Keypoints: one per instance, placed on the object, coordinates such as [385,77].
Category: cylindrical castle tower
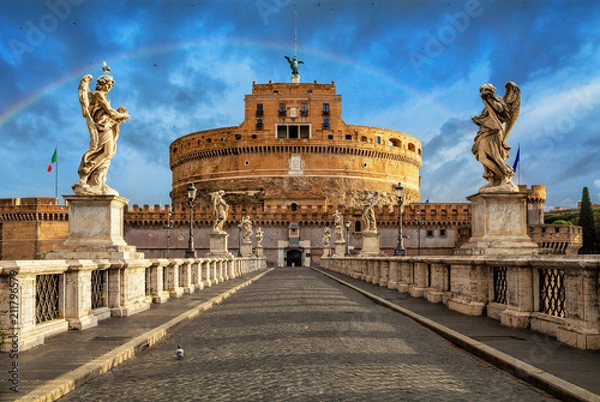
[294,148]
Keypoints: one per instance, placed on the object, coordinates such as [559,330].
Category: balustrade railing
[52,296]
[557,295]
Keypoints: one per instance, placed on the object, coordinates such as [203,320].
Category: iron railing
[47,297]
[552,292]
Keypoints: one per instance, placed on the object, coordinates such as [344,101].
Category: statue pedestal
[499,225]
[370,245]
[259,251]
[340,248]
[326,252]
[95,229]
[246,249]
[218,245]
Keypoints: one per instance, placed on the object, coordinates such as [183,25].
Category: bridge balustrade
[40,298]
[552,294]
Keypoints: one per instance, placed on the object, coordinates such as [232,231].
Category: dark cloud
[184,66]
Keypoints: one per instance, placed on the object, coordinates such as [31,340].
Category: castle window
[209,140]
[259,109]
[443,232]
[238,136]
[330,137]
[357,226]
[293,131]
[395,142]
[254,136]
[294,207]
[348,136]
[304,110]
[378,139]
[325,123]
[309,91]
[411,147]
[430,233]
[325,109]
[247,163]
[363,138]
[259,124]
[282,109]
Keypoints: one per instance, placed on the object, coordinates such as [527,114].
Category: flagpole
[519,167]
[56,178]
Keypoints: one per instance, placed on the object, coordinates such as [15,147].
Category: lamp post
[418,222]
[347,224]
[400,250]
[239,224]
[191,192]
[168,226]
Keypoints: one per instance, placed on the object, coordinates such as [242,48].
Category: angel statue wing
[512,99]
[85,97]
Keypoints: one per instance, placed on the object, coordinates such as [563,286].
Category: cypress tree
[586,221]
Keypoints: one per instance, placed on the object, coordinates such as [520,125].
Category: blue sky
[408,65]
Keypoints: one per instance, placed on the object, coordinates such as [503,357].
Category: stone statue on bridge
[103,125]
[259,236]
[220,208]
[338,220]
[326,237]
[368,202]
[246,229]
[495,123]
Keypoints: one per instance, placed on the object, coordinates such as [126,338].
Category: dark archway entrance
[294,257]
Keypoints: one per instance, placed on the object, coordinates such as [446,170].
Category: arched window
[395,142]
[294,207]
[411,147]
[357,226]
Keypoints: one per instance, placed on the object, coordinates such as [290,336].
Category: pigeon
[105,68]
[179,352]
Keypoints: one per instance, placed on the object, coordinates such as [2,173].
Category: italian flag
[53,160]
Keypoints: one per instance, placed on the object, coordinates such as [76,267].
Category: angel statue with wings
[294,65]
[220,208]
[495,123]
[103,125]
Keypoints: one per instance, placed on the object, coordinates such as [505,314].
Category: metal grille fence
[47,297]
[500,286]
[552,292]
[98,281]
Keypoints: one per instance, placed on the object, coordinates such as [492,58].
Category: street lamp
[347,224]
[191,193]
[400,242]
[239,224]
[168,226]
[419,222]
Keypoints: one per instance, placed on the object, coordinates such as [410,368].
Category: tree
[586,221]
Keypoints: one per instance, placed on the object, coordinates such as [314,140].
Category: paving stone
[295,335]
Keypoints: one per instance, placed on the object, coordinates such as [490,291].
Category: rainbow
[76,74]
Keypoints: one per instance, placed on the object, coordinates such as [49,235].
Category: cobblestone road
[296,335]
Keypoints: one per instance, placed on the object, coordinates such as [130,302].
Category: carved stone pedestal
[340,248]
[95,229]
[326,252]
[218,246]
[499,225]
[246,249]
[370,245]
[259,251]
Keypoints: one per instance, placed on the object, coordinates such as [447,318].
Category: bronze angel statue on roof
[294,65]
[495,124]
[103,125]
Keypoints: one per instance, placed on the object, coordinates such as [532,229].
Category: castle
[289,166]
